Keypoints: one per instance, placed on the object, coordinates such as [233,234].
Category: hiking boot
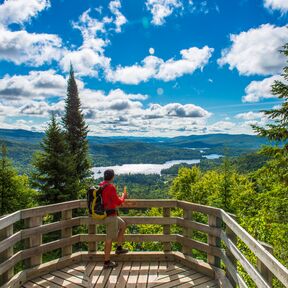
[121,250]
[110,264]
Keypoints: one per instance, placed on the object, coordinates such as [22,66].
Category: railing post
[265,272]
[33,241]
[92,229]
[5,233]
[166,230]
[215,222]
[187,232]
[233,237]
[66,232]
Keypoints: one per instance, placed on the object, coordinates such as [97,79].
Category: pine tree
[54,175]
[15,192]
[76,130]
[277,131]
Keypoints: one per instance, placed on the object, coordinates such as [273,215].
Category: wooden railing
[221,249]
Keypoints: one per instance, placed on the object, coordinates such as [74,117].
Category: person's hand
[125,195]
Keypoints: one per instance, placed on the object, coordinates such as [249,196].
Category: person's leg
[111,233]
[107,249]
[120,239]
[122,227]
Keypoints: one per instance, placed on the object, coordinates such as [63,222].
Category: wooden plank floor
[126,275]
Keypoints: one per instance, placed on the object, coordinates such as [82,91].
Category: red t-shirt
[110,198]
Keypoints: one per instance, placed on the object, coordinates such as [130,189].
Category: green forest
[253,185]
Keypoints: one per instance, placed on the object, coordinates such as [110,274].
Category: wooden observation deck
[23,250]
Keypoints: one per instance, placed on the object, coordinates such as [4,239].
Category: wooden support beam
[33,241]
[262,268]
[66,232]
[166,230]
[187,231]
[92,230]
[233,237]
[6,254]
[214,222]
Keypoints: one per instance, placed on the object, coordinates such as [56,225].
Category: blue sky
[145,67]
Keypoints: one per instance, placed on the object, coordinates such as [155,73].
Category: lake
[146,168]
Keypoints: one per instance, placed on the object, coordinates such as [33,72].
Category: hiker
[115,226]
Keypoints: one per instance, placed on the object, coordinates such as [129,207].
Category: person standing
[115,225]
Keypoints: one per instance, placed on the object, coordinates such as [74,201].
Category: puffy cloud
[175,110]
[256,51]
[20,46]
[86,61]
[30,48]
[111,104]
[192,59]
[136,73]
[281,5]
[37,84]
[258,90]
[154,67]
[161,9]
[249,115]
[120,19]
[222,127]
[32,94]
[20,11]
[89,57]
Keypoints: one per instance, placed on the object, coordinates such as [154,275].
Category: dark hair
[108,174]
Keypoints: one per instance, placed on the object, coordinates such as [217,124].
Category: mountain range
[106,151]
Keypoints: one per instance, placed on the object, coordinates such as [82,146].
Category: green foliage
[277,129]
[15,191]
[259,200]
[141,186]
[54,175]
[76,130]
[107,151]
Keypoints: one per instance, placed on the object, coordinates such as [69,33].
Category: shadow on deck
[127,274]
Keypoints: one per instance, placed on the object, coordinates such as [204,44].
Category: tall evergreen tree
[54,175]
[15,192]
[76,130]
[277,131]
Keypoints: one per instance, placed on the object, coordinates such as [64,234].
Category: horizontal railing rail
[221,231]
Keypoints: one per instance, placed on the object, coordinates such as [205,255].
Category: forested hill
[119,150]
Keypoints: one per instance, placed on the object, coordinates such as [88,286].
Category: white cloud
[249,115]
[20,46]
[30,94]
[136,73]
[222,127]
[114,112]
[192,59]
[256,51]
[258,90]
[281,5]
[154,67]
[30,48]
[21,11]
[116,99]
[160,9]
[175,110]
[35,85]
[120,19]
[86,61]
[89,57]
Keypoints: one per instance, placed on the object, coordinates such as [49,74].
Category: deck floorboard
[126,275]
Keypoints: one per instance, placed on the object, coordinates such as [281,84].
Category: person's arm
[115,198]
